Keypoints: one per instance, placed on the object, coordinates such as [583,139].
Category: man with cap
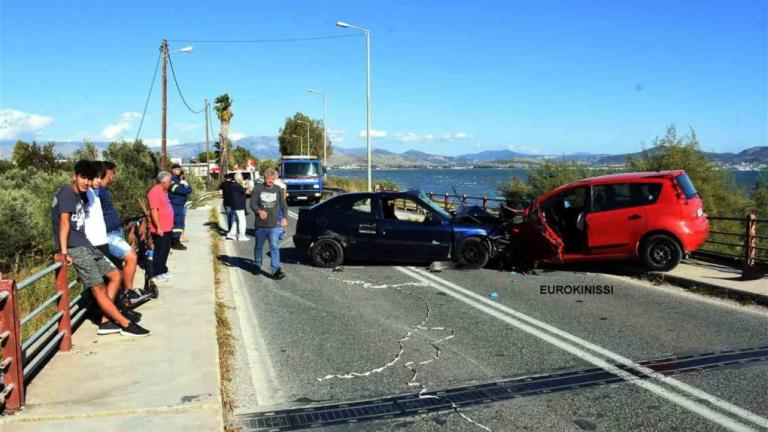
[178,193]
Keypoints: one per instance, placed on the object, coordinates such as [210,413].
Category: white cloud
[374,133]
[125,122]
[336,136]
[183,127]
[414,137]
[157,142]
[524,149]
[234,136]
[18,124]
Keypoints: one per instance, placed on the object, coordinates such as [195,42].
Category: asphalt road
[368,331]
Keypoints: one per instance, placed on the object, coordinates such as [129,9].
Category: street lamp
[302,121]
[367,88]
[325,130]
[301,142]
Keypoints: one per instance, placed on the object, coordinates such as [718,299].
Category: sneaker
[108,327]
[178,246]
[134,329]
[231,237]
[160,278]
[169,275]
[243,238]
[132,315]
[279,274]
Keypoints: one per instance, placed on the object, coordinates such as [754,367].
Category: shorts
[90,264]
[118,247]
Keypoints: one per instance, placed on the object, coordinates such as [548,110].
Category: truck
[303,177]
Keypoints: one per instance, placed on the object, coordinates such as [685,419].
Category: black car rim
[661,253]
[327,252]
[473,253]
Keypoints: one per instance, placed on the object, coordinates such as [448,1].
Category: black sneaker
[108,327]
[134,329]
[279,274]
[132,315]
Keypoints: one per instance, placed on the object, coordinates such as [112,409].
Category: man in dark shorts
[68,212]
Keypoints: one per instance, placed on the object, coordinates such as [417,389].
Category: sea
[476,181]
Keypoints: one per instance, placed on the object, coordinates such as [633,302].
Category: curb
[713,289]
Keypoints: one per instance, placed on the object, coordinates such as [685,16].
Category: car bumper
[696,233]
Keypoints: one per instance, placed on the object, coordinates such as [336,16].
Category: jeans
[230,216]
[273,235]
[237,228]
[161,252]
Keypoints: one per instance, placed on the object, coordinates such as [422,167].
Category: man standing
[68,220]
[237,204]
[266,199]
[178,192]
[226,196]
[162,225]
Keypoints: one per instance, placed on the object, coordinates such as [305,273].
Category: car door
[545,243]
[410,231]
[616,220]
[357,224]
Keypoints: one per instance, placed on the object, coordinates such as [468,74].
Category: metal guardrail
[23,358]
[738,247]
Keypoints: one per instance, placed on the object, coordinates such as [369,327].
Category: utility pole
[164,157]
[207,151]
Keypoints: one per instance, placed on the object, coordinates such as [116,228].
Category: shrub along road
[323,337]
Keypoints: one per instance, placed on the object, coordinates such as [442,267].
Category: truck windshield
[300,169]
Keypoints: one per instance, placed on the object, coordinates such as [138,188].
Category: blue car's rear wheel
[472,253]
[327,253]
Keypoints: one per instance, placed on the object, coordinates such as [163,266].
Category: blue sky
[448,77]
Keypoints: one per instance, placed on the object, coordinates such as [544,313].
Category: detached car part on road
[653,217]
[394,226]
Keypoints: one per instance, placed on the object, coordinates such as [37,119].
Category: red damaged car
[654,217]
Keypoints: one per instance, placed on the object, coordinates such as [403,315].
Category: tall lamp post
[307,124]
[164,147]
[301,142]
[325,130]
[367,88]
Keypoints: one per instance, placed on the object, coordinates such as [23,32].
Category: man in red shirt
[162,225]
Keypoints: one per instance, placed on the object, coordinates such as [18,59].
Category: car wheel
[661,253]
[472,253]
[327,253]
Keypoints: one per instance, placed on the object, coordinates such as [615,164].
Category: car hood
[476,216]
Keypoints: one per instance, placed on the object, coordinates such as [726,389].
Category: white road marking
[535,328]
[293,214]
[262,373]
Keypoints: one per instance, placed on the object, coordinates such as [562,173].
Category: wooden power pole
[164,157]
[207,151]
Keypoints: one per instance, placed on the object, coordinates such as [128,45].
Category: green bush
[24,231]
[357,185]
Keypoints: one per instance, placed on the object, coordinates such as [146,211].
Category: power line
[266,40]
[146,104]
[179,88]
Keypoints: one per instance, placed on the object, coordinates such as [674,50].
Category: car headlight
[316,186]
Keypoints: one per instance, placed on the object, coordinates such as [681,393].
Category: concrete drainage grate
[412,404]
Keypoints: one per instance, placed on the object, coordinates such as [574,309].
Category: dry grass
[356,185]
[224,336]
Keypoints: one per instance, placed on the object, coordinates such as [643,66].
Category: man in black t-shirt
[68,211]
[237,204]
[226,196]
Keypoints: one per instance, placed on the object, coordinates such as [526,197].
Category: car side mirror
[431,219]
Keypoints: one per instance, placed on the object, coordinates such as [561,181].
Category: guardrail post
[485,201]
[445,201]
[62,286]
[750,247]
[13,393]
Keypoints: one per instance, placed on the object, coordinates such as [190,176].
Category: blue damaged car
[394,226]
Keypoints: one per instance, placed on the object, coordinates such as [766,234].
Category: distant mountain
[267,147]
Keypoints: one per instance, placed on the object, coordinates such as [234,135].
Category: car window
[404,209]
[624,195]
[361,207]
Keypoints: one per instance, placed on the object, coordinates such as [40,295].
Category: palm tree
[224,113]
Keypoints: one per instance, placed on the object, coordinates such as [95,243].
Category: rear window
[687,186]
[624,195]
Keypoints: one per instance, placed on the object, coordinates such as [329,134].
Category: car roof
[388,193]
[613,178]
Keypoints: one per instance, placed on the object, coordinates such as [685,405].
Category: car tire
[660,252]
[472,253]
[327,253]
